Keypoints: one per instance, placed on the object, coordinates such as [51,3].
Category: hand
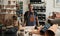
[40,27]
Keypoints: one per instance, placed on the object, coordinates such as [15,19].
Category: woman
[12,31]
[15,22]
[49,32]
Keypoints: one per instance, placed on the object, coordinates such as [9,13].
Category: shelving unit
[8,9]
[36,1]
[39,6]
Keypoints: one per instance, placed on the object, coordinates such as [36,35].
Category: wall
[25,7]
[50,7]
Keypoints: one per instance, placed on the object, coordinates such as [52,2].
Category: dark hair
[42,33]
[49,21]
[14,18]
[29,5]
[50,33]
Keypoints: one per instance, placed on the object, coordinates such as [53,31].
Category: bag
[11,30]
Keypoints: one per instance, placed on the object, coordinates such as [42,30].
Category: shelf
[36,2]
[38,9]
[41,13]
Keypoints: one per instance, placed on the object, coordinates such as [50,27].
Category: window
[57,3]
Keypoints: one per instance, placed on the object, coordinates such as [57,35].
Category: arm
[51,31]
[20,27]
[37,21]
[25,18]
[37,31]
[53,27]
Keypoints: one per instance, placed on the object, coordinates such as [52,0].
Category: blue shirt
[30,18]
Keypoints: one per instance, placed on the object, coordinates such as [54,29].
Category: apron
[31,20]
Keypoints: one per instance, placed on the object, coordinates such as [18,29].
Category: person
[30,17]
[13,28]
[18,10]
[49,32]
[19,13]
[16,22]
[54,15]
[52,30]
